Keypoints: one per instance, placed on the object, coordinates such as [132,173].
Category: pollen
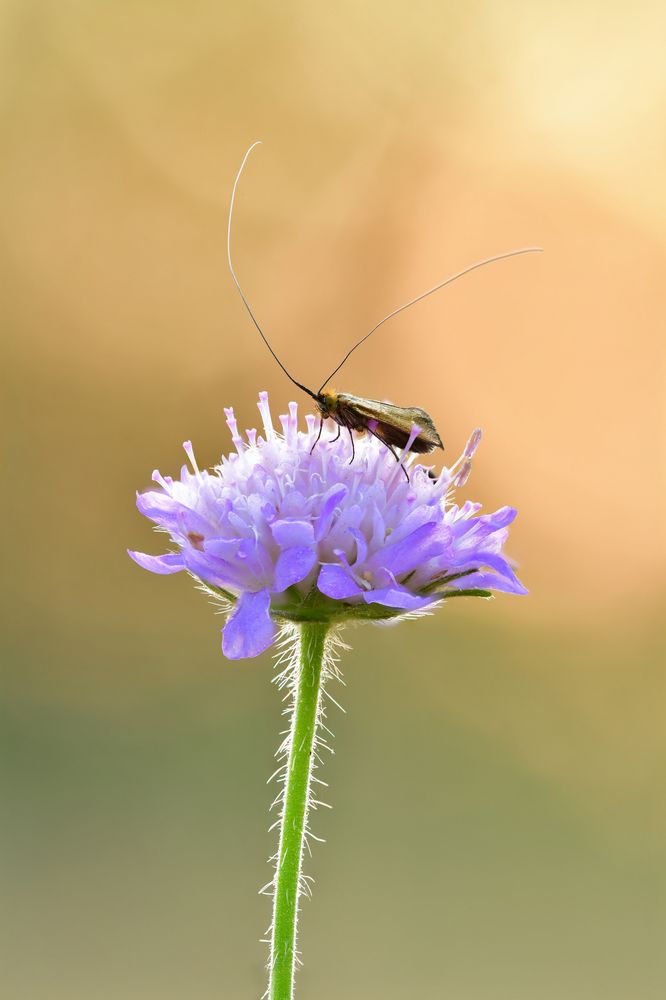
[196,539]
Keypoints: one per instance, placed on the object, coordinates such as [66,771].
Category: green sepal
[317,608]
[442,581]
[217,591]
[472,592]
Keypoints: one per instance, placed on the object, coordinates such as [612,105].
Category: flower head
[285,531]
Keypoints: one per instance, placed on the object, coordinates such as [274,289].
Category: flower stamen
[189,451]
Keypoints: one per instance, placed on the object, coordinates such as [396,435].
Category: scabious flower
[294,538]
[290,532]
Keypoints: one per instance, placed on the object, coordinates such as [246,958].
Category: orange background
[498,787]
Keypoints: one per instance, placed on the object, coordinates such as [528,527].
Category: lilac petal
[239,524]
[222,548]
[327,512]
[290,533]
[164,510]
[501,567]
[501,518]
[292,566]
[171,514]
[465,513]
[172,562]
[189,521]
[489,581]
[361,545]
[250,629]
[478,528]
[335,581]
[397,597]
[157,506]
[216,571]
[409,552]
[378,532]
[413,520]
[293,505]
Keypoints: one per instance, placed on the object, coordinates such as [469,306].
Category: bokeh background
[498,787]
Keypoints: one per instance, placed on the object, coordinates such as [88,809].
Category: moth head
[327,403]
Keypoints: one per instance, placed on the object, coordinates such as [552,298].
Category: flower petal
[335,582]
[222,548]
[292,566]
[474,530]
[172,562]
[489,581]
[216,571]
[361,545]
[290,533]
[250,629]
[405,555]
[397,597]
[330,501]
[157,505]
[502,568]
[501,518]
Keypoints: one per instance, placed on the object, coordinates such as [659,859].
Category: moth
[392,425]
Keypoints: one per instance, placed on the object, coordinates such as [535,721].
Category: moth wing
[394,423]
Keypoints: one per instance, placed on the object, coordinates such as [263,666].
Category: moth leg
[321,427]
[392,450]
[351,438]
[333,440]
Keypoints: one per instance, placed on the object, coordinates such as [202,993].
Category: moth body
[385,421]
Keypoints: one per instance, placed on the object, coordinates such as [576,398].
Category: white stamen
[293,423]
[232,424]
[265,411]
[462,475]
[157,477]
[473,443]
[189,451]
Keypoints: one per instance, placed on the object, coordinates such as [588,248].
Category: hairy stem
[307,687]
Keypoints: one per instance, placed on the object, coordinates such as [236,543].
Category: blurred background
[498,786]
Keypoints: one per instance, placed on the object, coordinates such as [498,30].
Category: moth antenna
[237,282]
[424,295]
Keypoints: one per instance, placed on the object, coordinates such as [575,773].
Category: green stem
[307,696]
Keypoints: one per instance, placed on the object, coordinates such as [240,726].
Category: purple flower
[287,534]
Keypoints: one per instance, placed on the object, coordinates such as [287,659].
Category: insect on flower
[391,424]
